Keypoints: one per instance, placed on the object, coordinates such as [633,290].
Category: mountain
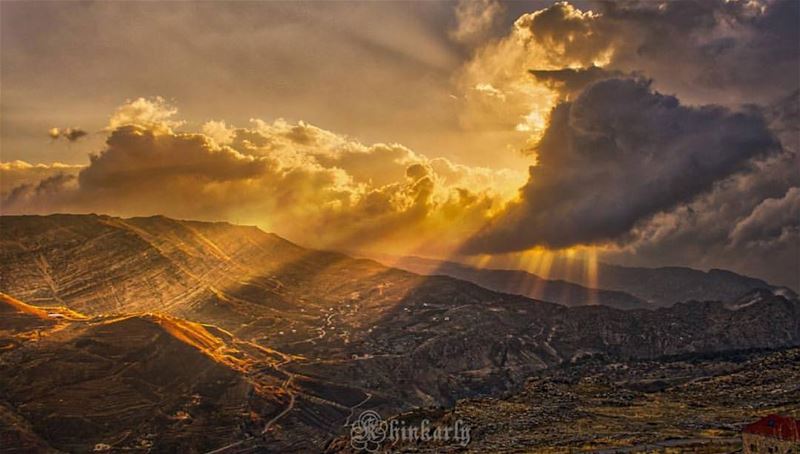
[150,307]
[616,286]
[486,343]
[520,283]
[667,285]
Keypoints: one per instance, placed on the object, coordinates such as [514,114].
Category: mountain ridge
[625,287]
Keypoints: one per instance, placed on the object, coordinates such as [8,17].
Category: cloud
[700,233]
[618,155]
[137,157]
[725,52]
[219,131]
[705,52]
[569,82]
[304,182]
[565,35]
[771,220]
[587,188]
[71,134]
[475,20]
[19,173]
[152,113]
[515,101]
[40,195]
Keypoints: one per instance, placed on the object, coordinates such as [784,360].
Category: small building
[773,434]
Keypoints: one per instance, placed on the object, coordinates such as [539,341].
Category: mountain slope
[99,264]
[17,316]
[125,382]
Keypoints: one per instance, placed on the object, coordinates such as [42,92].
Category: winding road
[288,408]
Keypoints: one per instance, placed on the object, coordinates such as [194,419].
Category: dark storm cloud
[41,193]
[770,220]
[616,156]
[710,231]
[571,81]
[714,51]
[701,234]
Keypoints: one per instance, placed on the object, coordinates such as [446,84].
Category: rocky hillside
[692,403]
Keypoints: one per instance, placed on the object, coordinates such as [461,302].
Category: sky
[643,133]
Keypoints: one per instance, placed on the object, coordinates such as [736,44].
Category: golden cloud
[301,181]
[475,19]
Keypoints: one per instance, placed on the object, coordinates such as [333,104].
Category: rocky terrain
[284,345]
[691,403]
